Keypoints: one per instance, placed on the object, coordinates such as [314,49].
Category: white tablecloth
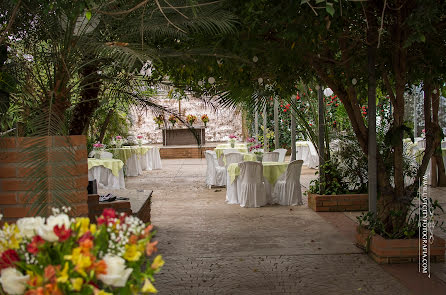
[105,177]
[306,152]
[136,163]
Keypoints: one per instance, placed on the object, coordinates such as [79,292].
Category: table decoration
[63,255]
[119,141]
[205,119]
[98,148]
[159,120]
[232,139]
[139,140]
[257,150]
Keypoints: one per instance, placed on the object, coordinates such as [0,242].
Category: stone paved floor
[211,247]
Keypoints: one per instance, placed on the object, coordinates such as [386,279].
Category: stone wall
[222,121]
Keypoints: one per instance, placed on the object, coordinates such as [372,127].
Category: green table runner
[124,153]
[271,171]
[112,164]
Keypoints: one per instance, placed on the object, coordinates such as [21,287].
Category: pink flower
[139,136]
[232,136]
[118,137]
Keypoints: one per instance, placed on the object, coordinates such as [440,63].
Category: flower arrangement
[205,119]
[119,141]
[159,120]
[257,150]
[232,139]
[139,138]
[63,255]
[191,119]
[98,148]
[173,120]
[423,133]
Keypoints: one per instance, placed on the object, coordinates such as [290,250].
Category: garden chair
[288,191]
[250,186]
[215,175]
[271,157]
[282,154]
[231,188]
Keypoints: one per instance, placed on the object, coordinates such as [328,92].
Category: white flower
[13,281]
[117,274]
[47,231]
[29,225]
[211,80]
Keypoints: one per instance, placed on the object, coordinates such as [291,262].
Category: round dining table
[137,158]
[241,147]
[108,173]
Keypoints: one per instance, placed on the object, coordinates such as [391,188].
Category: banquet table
[108,173]
[137,158]
[306,152]
[241,147]
[272,171]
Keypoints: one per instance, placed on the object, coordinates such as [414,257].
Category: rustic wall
[222,122]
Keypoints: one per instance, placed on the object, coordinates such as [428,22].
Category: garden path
[211,247]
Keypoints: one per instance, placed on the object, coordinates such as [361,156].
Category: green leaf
[319,1]
[422,38]
[329,8]
[304,1]
[88,15]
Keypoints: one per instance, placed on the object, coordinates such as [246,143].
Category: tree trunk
[105,124]
[83,111]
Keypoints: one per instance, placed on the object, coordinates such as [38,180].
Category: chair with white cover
[104,154]
[215,175]
[288,191]
[271,157]
[250,187]
[282,154]
[231,188]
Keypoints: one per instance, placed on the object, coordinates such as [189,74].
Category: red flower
[337,104]
[8,258]
[33,247]
[310,124]
[284,110]
[106,216]
[62,233]
[86,236]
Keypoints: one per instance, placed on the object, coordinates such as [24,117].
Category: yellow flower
[82,223]
[77,283]
[80,260]
[157,262]
[93,228]
[148,287]
[101,292]
[63,278]
[10,237]
[132,252]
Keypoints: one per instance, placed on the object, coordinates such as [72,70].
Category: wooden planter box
[184,136]
[385,251]
[17,185]
[334,203]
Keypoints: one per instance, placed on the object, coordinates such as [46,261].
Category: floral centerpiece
[139,138]
[205,119]
[232,139]
[257,150]
[119,141]
[63,255]
[159,120]
[250,142]
[98,149]
[191,119]
[173,120]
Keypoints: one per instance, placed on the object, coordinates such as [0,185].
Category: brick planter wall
[16,185]
[330,203]
[184,152]
[385,251]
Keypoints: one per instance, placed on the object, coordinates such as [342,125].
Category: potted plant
[63,255]
[159,120]
[232,139]
[257,150]
[205,119]
[191,119]
[98,149]
[173,120]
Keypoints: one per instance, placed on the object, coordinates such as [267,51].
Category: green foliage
[333,181]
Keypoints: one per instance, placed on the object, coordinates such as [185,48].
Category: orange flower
[151,248]
[100,267]
[133,239]
[50,273]
[147,230]
[86,245]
